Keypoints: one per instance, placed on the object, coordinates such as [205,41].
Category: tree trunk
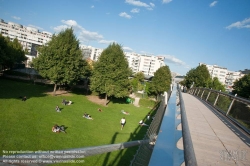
[106,97]
[54,92]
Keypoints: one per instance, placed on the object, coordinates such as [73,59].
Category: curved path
[216,140]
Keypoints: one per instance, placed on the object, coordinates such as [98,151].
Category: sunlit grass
[27,125]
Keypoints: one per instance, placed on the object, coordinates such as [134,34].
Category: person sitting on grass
[55,129]
[58,109]
[24,98]
[64,102]
[142,123]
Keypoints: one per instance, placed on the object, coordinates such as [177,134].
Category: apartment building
[148,64]
[231,77]
[225,76]
[29,37]
[90,52]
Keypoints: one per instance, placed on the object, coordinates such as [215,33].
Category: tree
[161,81]
[111,72]
[137,81]
[199,76]
[61,59]
[10,52]
[242,86]
[216,84]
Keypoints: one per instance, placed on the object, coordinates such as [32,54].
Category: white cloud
[92,6]
[173,60]
[37,27]
[106,41]
[128,49]
[124,14]
[240,24]
[151,4]
[137,3]
[166,1]
[70,22]
[16,18]
[213,3]
[60,28]
[83,34]
[135,10]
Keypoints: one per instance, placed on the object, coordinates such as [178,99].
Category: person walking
[123,121]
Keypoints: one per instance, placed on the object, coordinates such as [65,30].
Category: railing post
[195,91]
[198,93]
[208,95]
[216,99]
[202,93]
[229,108]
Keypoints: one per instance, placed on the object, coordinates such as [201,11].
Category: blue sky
[186,32]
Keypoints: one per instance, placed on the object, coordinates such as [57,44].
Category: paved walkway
[213,140]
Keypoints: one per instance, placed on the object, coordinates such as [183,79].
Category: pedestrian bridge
[216,136]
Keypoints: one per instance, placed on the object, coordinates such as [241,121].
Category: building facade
[29,37]
[147,64]
[226,77]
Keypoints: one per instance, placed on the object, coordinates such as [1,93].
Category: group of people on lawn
[57,128]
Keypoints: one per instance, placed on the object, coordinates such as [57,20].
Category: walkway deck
[213,140]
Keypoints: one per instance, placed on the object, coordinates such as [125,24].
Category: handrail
[75,153]
[189,155]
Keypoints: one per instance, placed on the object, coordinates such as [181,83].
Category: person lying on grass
[124,112]
[87,116]
[55,129]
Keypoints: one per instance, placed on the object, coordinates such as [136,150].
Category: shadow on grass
[14,88]
[138,134]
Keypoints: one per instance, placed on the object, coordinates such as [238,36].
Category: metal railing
[61,156]
[143,154]
[235,108]
[189,155]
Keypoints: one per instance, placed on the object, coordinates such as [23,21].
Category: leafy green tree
[216,84]
[61,59]
[161,81]
[199,76]
[111,72]
[11,52]
[137,81]
[242,86]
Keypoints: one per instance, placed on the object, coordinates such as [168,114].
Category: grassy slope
[27,125]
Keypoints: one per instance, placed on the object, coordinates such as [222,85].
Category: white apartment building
[148,64]
[231,77]
[133,61]
[90,52]
[225,76]
[29,37]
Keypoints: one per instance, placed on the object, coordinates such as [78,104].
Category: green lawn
[27,125]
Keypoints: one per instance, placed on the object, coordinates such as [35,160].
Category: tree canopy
[199,76]
[137,81]
[161,81]
[242,86]
[110,73]
[11,52]
[61,60]
[216,84]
